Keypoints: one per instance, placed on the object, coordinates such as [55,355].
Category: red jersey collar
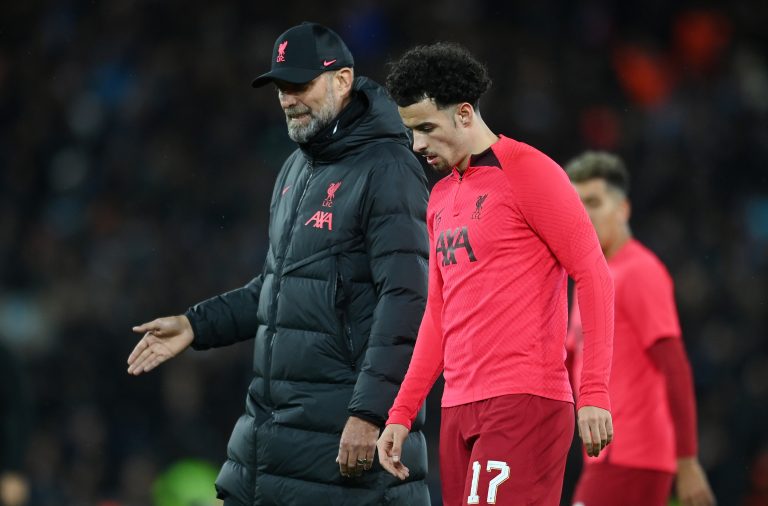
[486,158]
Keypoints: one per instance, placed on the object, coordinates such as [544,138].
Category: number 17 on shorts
[508,451]
[497,466]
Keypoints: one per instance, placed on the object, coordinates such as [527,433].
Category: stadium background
[136,165]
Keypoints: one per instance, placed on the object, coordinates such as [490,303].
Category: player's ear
[626,210]
[465,114]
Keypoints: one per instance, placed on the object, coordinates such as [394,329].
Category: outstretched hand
[164,338]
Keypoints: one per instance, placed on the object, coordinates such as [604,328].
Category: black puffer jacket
[334,313]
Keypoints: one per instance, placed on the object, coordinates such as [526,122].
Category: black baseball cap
[304,52]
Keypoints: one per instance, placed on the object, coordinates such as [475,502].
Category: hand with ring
[357,447]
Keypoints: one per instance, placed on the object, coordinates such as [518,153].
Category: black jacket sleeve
[396,239]
[226,319]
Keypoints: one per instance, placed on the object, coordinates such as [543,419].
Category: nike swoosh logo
[327,63]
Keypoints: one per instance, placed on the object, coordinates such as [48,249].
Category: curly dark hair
[445,72]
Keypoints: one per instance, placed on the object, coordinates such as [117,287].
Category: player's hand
[357,447]
[691,484]
[390,448]
[595,429]
[164,338]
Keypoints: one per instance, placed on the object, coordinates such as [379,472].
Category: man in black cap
[336,309]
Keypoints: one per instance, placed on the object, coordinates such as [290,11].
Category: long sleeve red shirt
[504,235]
[654,406]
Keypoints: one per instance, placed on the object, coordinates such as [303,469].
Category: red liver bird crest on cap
[281,51]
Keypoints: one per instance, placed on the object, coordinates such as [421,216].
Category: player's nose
[419,143]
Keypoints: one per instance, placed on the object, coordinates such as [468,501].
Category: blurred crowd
[136,165]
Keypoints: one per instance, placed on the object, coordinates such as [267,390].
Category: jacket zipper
[456,194]
[276,291]
[346,328]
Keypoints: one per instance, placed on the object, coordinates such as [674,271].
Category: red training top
[502,236]
[649,366]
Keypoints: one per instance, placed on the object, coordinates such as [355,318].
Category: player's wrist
[595,400]
[689,461]
[399,420]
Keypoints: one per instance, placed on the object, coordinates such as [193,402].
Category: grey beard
[303,133]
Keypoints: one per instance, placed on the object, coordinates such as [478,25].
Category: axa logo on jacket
[449,241]
[320,219]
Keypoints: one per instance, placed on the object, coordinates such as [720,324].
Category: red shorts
[507,450]
[604,484]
